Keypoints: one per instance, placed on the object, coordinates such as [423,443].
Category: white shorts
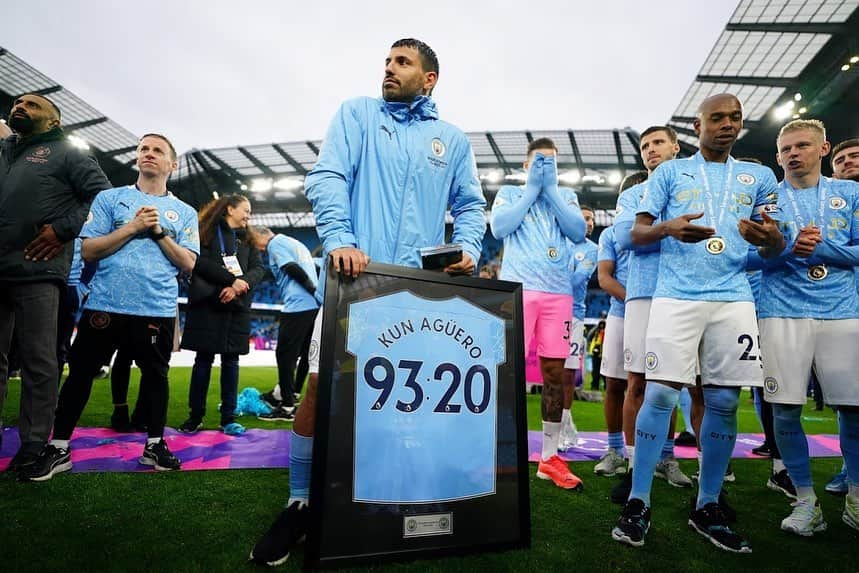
[721,336]
[636,317]
[577,345]
[612,348]
[793,346]
[315,344]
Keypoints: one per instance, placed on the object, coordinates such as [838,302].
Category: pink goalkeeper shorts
[547,321]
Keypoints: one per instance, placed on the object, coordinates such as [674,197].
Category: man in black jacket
[46,187]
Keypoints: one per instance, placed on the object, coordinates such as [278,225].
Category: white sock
[551,433]
[853,490]
[630,453]
[566,419]
[302,501]
[805,492]
[778,465]
[62,444]
[275,392]
[151,441]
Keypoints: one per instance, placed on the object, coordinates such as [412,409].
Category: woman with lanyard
[218,318]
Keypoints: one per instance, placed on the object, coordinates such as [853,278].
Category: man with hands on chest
[142,236]
[809,316]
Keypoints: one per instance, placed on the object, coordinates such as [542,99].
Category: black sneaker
[279,414]
[686,439]
[51,460]
[633,524]
[620,492]
[191,426]
[287,531]
[160,457]
[780,481]
[763,450]
[729,512]
[270,400]
[710,522]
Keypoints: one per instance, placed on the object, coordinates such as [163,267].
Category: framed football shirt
[420,447]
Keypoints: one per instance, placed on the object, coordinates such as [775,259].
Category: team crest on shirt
[650,360]
[39,155]
[837,203]
[770,385]
[99,320]
[171,215]
[580,256]
[552,253]
[746,179]
[438,147]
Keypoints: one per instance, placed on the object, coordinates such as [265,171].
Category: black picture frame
[345,532]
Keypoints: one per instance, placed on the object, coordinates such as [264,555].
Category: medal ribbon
[709,194]
[799,215]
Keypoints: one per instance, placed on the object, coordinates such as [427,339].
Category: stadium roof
[784,59]
[593,161]
[114,146]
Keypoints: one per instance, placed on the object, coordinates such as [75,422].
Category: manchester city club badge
[715,245]
[818,272]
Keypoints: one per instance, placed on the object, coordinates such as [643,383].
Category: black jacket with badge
[211,326]
[43,179]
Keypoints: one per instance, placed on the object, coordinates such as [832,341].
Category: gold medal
[715,245]
[818,272]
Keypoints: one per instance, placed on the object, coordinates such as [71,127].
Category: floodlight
[261,185]
[78,142]
[569,177]
[289,183]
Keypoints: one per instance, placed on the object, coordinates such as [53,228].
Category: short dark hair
[541,143]
[852,142]
[429,61]
[164,138]
[47,99]
[632,179]
[672,135]
[586,207]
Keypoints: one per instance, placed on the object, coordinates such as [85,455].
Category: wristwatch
[157,236]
